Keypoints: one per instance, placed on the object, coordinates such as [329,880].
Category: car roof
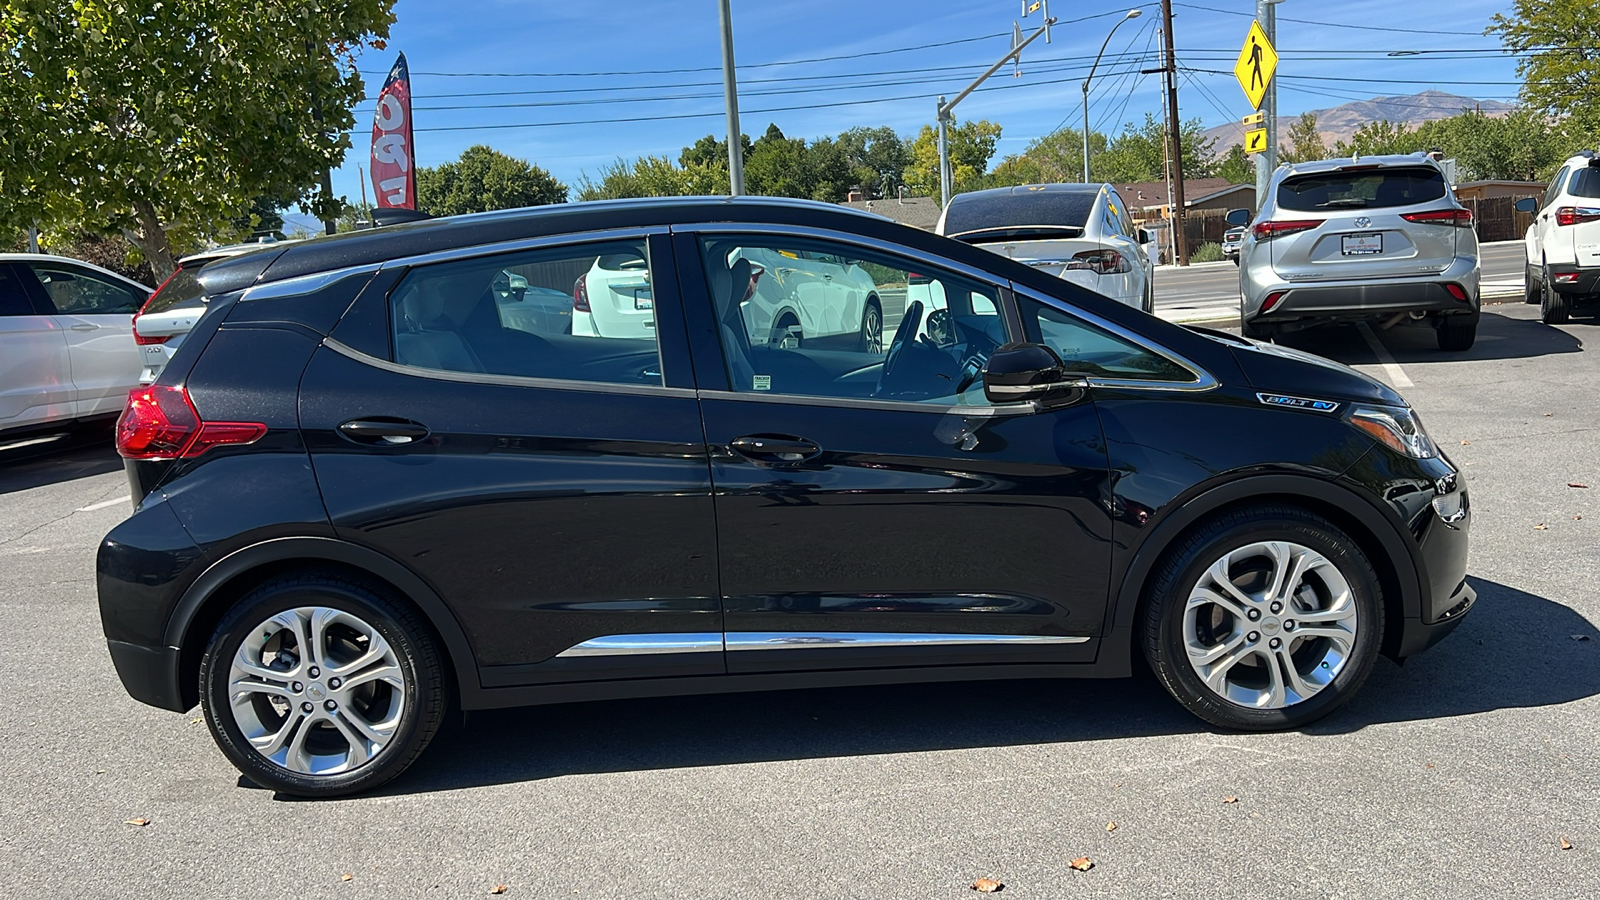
[1023,190]
[1363,162]
[216,253]
[50,257]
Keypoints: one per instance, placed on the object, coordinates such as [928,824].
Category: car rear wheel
[1554,306]
[1457,333]
[872,327]
[1264,618]
[319,686]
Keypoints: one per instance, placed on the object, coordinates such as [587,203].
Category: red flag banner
[394,178]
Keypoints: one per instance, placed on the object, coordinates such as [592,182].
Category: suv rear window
[1017,212]
[1362,188]
[182,289]
[1585,183]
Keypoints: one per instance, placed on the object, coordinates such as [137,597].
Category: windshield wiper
[1343,202]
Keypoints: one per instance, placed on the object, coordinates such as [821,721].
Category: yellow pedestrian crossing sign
[1255,140]
[1257,62]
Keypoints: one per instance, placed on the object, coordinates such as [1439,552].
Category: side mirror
[1142,235]
[1239,217]
[1526,204]
[1022,372]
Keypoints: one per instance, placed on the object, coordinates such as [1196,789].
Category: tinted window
[1094,351]
[182,289]
[13,296]
[1555,186]
[1585,183]
[986,212]
[1362,189]
[582,313]
[76,291]
[829,320]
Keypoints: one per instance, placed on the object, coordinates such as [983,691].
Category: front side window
[1554,189]
[1090,350]
[820,319]
[75,291]
[1362,189]
[579,313]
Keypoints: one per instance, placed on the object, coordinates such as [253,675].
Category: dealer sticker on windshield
[1362,244]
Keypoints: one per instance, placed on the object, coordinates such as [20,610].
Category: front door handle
[383,431]
[774,448]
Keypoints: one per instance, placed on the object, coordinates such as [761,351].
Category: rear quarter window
[1362,189]
[182,289]
[1585,183]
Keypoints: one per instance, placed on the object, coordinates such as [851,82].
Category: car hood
[1270,367]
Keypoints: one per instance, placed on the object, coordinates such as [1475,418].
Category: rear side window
[13,296]
[1001,212]
[182,289]
[1362,189]
[75,291]
[1585,183]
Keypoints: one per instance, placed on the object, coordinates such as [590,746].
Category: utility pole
[1180,245]
[946,110]
[730,94]
[33,239]
[1267,163]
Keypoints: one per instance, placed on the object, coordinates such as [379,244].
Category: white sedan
[66,342]
[1081,233]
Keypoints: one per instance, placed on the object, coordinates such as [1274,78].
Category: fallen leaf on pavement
[1082,864]
[1565,844]
[1576,518]
[987,886]
[1580,637]
[1230,799]
[346,877]
[1466,443]
[139,822]
[499,889]
[1541,527]
[1427,765]
[1546,414]
[1576,484]
[1111,826]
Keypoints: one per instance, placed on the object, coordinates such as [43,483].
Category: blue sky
[548,53]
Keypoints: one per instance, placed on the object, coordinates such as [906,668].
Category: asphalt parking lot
[1457,775]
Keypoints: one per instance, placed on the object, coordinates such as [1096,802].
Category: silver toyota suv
[1378,238]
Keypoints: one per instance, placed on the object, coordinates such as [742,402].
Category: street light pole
[1132,14]
[946,110]
[730,93]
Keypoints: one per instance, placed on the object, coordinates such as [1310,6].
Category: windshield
[1362,188]
[1031,211]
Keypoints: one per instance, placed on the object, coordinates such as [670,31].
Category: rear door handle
[774,448]
[383,431]
[85,326]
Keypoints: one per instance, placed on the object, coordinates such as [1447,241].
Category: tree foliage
[1559,63]
[654,176]
[971,146]
[1056,157]
[1139,153]
[1236,166]
[1522,146]
[484,179]
[1305,141]
[170,118]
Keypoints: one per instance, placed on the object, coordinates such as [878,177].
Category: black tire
[1187,562]
[423,705]
[1530,286]
[1554,306]
[871,340]
[1457,333]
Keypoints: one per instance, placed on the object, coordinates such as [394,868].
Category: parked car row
[1563,243]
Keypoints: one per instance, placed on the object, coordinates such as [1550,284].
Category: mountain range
[1339,123]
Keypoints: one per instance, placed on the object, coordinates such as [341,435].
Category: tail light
[916,278]
[1270,229]
[580,294]
[1576,215]
[1100,262]
[1272,300]
[160,422]
[1460,218]
[755,278]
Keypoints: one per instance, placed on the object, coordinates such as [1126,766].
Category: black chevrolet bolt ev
[767,445]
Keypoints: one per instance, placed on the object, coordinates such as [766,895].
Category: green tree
[1379,138]
[1237,166]
[484,179]
[1056,157]
[971,147]
[1139,153]
[709,151]
[653,176]
[1305,142]
[877,157]
[1559,66]
[168,119]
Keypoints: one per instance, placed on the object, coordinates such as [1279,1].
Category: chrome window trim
[1203,380]
[1009,409]
[646,644]
[530,243]
[555,384]
[305,284]
[796,640]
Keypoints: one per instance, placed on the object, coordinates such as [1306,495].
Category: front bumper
[1417,635]
[1585,279]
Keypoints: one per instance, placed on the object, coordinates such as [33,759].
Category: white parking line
[104,503]
[1397,375]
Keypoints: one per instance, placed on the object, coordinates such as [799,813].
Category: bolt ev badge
[1326,406]
[1363,222]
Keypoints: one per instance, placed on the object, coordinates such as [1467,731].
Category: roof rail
[388,216]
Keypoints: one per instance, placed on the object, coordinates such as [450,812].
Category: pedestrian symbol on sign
[1257,61]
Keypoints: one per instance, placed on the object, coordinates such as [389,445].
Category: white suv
[1563,243]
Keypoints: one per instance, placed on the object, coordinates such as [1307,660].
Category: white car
[794,298]
[1563,243]
[66,342]
[172,311]
[1081,233]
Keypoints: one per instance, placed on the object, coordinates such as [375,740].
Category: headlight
[1397,427]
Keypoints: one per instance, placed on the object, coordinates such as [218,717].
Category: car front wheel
[872,328]
[1264,618]
[318,685]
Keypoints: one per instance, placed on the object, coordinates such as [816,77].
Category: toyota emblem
[1363,222]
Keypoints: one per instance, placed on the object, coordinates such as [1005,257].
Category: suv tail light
[139,338]
[1576,215]
[1100,262]
[580,294]
[1461,218]
[1271,229]
[755,278]
[160,422]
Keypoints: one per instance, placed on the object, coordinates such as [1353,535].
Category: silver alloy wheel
[316,691]
[1270,624]
[872,329]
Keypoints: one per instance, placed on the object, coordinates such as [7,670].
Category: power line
[1230,12]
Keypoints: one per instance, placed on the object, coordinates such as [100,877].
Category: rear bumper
[1360,299]
[149,674]
[1584,279]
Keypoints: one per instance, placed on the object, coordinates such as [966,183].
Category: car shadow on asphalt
[79,455]
[1515,650]
[1499,337]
